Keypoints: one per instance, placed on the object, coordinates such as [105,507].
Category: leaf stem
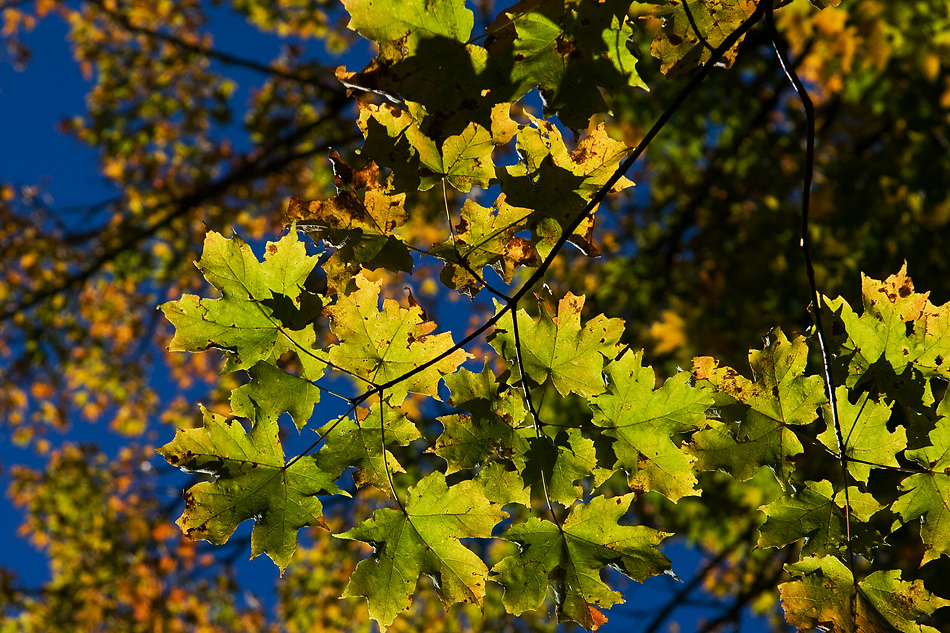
[534,412]
[382,441]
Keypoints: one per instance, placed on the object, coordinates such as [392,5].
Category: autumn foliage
[432,412]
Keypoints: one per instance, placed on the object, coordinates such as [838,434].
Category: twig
[805,244]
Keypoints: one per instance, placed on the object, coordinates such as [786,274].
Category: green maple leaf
[557,183]
[255,318]
[394,136]
[881,603]
[927,495]
[503,486]
[409,21]
[380,346]
[360,221]
[271,392]
[899,327]
[780,396]
[881,332]
[466,158]
[643,421]
[495,429]
[360,444]
[689,32]
[813,513]
[865,434]
[569,50]
[557,347]
[468,441]
[485,236]
[251,481]
[563,460]
[424,540]
[570,560]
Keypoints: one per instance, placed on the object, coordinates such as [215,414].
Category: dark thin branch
[805,244]
[598,197]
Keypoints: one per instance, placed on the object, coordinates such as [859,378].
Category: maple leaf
[570,51]
[424,540]
[881,603]
[570,560]
[271,392]
[691,29]
[360,444]
[557,183]
[254,318]
[643,421]
[503,486]
[563,461]
[466,158]
[485,236]
[866,437]
[495,428]
[394,136]
[927,495]
[251,481]
[557,347]
[410,21]
[813,513]
[899,326]
[382,346]
[361,227]
[780,396]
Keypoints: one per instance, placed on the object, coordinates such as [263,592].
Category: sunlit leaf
[557,347]
[378,346]
[569,560]
[251,481]
[251,320]
[424,540]
[645,421]
[825,594]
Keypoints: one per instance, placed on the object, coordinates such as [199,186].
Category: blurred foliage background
[701,258]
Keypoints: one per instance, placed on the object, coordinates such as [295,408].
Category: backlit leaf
[645,421]
[485,236]
[691,29]
[360,444]
[251,481]
[273,391]
[570,560]
[927,495]
[248,322]
[360,221]
[557,347]
[780,396]
[424,540]
[866,436]
[812,513]
[379,346]
[825,594]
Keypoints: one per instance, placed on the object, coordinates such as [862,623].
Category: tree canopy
[345,307]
